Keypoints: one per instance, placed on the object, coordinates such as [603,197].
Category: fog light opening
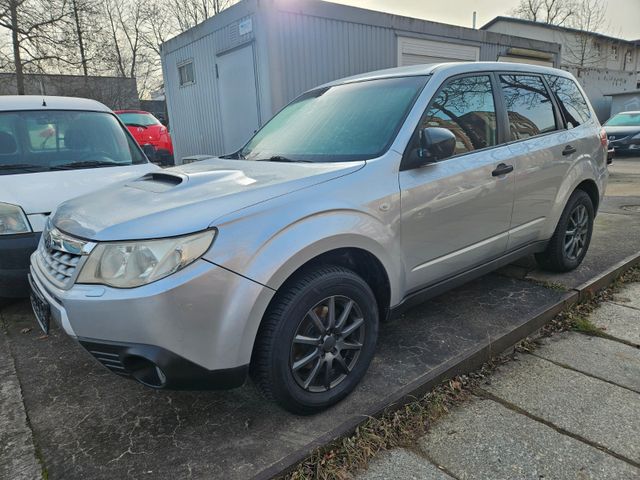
[146,372]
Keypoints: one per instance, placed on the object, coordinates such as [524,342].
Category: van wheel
[316,340]
[570,241]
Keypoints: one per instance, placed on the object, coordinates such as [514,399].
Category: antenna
[44,103]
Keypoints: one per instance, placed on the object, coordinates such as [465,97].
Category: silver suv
[357,200]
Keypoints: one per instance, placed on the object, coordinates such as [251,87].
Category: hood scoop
[157,182]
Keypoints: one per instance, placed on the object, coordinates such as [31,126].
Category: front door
[456,212]
[238,97]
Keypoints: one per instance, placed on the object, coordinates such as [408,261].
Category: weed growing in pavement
[403,426]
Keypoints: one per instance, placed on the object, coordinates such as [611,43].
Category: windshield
[348,122]
[41,141]
[142,119]
[624,120]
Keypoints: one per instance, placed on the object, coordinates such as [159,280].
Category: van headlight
[13,220]
[136,263]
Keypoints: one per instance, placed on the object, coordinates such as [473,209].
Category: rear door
[456,212]
[542,150]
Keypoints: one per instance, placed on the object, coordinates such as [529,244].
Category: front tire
[570,241]
[317,339]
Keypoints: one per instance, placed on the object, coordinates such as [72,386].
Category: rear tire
[570,241]
[317,339]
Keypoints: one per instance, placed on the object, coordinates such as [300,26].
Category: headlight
[132,264]
[13,220]
[636,136]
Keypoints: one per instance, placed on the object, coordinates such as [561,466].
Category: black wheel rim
[327,344]
[575,237]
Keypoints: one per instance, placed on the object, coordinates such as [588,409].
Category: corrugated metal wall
[196,124]
[315,50]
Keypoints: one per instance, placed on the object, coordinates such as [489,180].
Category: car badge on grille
[612,137]
[56,240]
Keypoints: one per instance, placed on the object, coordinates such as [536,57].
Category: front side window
[529,106]
[465,106]
[185,73]
[39,141]
[348,122]
[572,104]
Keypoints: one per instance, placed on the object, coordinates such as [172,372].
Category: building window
[597,49]
[614,52]
[185,73]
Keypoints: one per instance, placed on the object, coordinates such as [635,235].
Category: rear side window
[529,106]
[574,107]
[465,106]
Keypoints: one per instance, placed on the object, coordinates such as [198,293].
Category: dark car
[623,132]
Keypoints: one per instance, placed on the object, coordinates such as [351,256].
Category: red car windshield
[141,119]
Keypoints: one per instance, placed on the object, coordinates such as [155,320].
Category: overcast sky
[624,15]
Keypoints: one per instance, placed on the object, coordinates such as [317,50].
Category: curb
[463,363]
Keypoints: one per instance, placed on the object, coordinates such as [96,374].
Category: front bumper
[157,367]
[197,325]
[15,251]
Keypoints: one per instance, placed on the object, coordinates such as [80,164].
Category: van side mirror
[434,144]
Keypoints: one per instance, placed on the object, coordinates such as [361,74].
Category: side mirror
[435,143]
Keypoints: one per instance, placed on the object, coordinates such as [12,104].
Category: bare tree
[31,24]
[188,13]
[582,50]
[555,12]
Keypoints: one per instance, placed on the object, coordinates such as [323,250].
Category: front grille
[60,265]
[61,256]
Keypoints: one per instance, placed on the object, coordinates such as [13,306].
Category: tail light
[603,137]
[163,130]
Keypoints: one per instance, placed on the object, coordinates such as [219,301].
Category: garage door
[416,51]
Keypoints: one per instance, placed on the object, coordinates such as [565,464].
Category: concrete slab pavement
[570,410]
[619,321]
[485,440]
[601,358]
[18,459]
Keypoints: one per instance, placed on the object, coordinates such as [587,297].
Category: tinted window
[465,106]
[573,105]
[353,121]
[528,105]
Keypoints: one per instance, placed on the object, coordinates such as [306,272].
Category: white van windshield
[348,122]
[42,141]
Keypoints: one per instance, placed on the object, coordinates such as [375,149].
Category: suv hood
[186,199]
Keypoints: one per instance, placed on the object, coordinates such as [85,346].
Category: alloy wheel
[575,236]
[327,344]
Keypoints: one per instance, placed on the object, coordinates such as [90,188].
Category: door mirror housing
[434,144]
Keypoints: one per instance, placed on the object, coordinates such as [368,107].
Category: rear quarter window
[573,105]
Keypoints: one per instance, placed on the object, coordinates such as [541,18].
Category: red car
[150,134]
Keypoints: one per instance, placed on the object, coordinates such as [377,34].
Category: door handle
[502,169]
[568,150]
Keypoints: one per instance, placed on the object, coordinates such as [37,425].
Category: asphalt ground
[86,422]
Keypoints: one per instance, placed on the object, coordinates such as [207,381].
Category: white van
[53,149]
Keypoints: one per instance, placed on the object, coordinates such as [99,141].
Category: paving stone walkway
[570,410]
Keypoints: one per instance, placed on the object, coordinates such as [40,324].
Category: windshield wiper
[22,166]
[136,125]
[280,158]
[86,164]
